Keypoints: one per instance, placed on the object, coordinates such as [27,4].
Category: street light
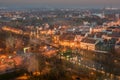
[115,61]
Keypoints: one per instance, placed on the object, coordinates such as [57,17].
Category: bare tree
[10,44]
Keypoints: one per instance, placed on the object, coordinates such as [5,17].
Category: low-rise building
[88,44]
[67,40]
[117,47]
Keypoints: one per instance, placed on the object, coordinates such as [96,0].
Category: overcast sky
[60,3]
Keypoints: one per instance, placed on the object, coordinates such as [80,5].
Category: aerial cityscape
[59,40]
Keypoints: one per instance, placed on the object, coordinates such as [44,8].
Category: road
[8,65]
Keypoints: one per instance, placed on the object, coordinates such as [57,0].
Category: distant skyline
[59,3]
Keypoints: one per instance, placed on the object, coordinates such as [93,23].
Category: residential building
[88,44]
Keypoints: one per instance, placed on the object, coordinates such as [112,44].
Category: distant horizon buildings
[58,7]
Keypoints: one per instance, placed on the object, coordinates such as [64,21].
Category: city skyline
[59,40]
[59,3]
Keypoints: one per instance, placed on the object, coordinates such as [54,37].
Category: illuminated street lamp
[68,57]
[92,73]
[115,61]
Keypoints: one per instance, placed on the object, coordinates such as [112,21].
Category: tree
[10,43]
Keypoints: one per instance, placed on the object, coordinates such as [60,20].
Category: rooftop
[89,40]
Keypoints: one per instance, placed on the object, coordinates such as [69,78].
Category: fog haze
[60,3]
